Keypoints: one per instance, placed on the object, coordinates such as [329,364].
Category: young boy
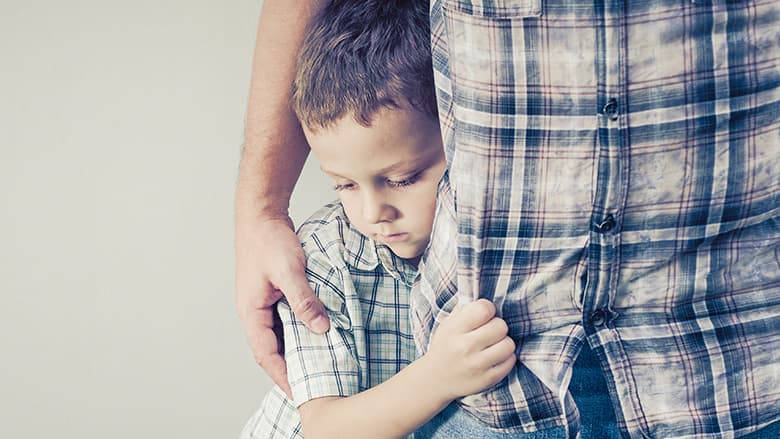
[364,94]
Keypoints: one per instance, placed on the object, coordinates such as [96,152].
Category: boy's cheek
[352,212]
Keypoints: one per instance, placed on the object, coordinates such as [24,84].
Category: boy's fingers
[448,319]
[491,332]
[500,370]
[475,314]
[499,352]
[305,304]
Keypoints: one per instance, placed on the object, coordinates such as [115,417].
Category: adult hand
[269,260]
[470,350]
[269,264]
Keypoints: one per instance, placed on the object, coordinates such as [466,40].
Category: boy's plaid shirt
[365,288]
[615,170]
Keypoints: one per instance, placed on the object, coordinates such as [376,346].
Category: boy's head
[361,56]
[364,93]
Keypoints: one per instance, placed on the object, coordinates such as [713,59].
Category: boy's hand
[269,264]
[470,351]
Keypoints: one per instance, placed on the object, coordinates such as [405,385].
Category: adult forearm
[390,410]
[271,160]
[274,149]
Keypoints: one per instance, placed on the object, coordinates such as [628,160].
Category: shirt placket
[612,164]
[599,315]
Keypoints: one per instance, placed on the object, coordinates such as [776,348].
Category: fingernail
[319,324]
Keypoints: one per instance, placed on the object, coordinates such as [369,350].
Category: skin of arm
[269,260]
[470,351]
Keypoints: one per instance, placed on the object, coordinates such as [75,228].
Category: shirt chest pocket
[488,45]
[496,8]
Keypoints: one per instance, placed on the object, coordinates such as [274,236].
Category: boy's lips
[393,237]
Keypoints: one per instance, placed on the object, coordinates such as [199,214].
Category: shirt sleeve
[321,365]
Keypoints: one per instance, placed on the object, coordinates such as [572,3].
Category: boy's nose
[376,209]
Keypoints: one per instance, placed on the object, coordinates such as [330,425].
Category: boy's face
[386,175]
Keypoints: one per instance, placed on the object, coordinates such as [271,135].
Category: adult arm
[470,352]
[269,260]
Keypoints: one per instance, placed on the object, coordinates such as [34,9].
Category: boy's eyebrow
[380,171]
[418,161]
[413,163]
[396,165]
[331,173]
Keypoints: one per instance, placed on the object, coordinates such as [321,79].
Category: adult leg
[589,389]
[771,431]
[453,422]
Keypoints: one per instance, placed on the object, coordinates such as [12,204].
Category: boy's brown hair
[360,56]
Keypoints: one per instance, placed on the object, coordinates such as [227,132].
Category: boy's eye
[405,182]
[344,187]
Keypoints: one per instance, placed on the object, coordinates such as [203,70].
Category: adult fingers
[264,334]
[276,368]
[304,303]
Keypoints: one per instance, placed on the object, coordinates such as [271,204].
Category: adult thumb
[305,304]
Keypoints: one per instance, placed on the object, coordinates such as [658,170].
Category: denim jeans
[453,423]
[588,388]
[597,416]
[772,431]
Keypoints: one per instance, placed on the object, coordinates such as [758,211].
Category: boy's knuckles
[473,364]
[461,350]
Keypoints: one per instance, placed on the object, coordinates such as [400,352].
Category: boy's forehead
[395,139]
[382,118]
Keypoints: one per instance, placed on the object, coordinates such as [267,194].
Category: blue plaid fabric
[365,289]
[614,171]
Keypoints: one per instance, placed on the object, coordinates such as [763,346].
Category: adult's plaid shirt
[365,289]
[614,169]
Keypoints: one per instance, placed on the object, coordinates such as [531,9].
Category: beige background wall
[120,128]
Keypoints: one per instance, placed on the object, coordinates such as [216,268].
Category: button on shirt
[614,171]
[365,289]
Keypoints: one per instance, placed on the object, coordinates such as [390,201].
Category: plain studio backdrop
[120,132]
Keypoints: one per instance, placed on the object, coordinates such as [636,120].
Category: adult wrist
[250,206]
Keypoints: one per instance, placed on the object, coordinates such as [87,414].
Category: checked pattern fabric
[613,179]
